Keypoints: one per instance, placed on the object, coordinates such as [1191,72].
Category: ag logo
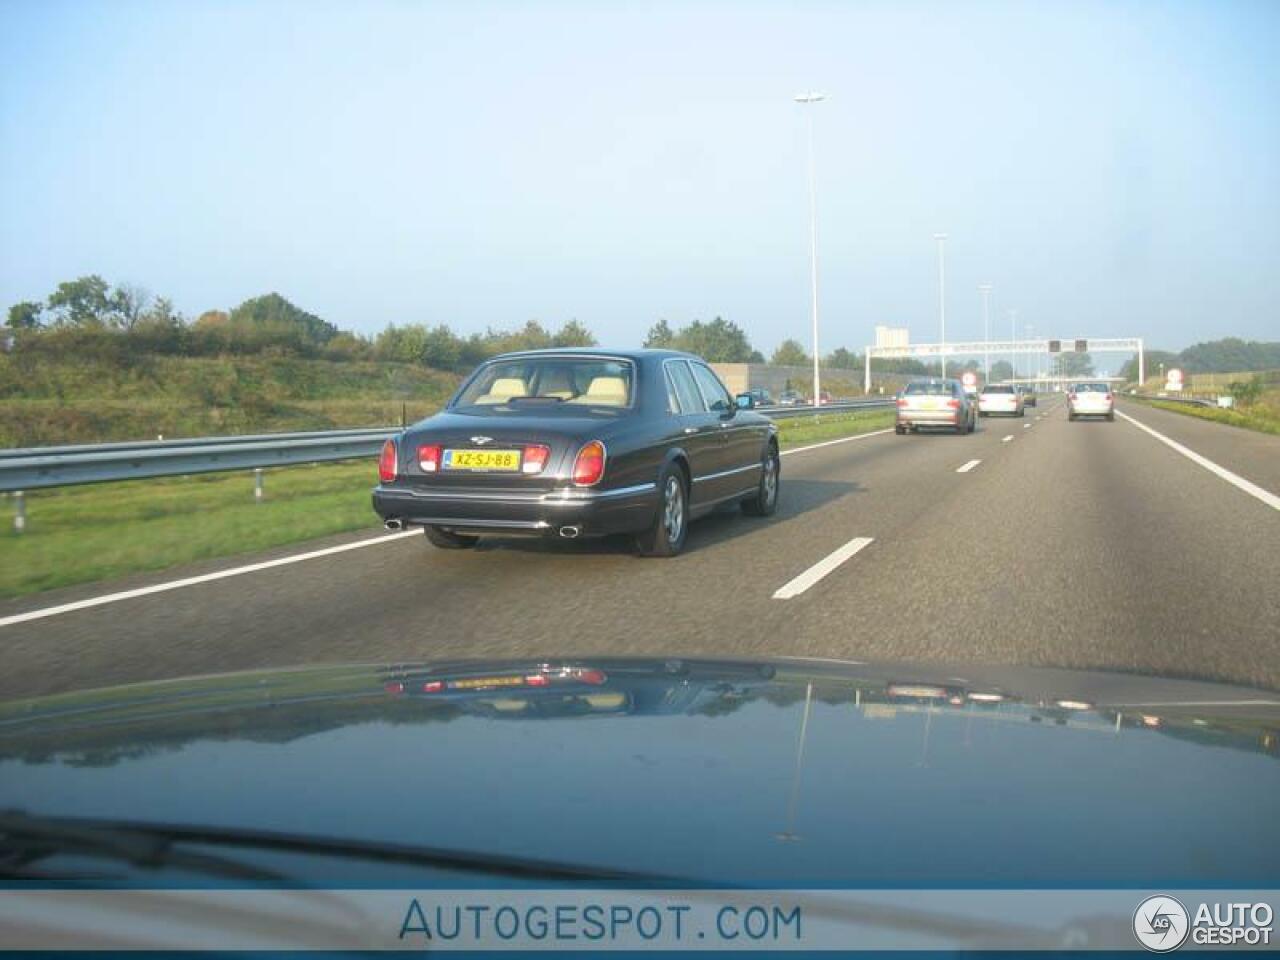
[1161,924]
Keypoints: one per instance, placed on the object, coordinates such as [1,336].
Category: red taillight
[1071,397]
[593,677]
[1110,399]
[387,462]
[429,458]
[902,401]
[953,403]
[538,680]
[395,689]
[588,466]
[433,686]
[535,459]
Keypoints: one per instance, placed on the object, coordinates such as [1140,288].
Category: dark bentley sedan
[576,443]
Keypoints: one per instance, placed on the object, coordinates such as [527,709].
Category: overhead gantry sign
[933,351]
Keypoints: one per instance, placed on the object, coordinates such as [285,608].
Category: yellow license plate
[930,404]
[482,460]
[483,683]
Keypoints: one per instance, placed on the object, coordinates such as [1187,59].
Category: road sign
[1055,346]
[1082,346]
[1173,379]
[969,378]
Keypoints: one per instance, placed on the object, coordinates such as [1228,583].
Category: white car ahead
[1000,398]
[1091,400]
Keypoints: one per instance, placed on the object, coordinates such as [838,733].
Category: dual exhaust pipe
[569,532]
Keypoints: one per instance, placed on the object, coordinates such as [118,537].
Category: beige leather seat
[503,389]
[605,392]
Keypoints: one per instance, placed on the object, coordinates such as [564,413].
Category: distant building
[892,336]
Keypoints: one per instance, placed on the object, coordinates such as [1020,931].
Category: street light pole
[1013,335]
[1031,329]
[986,329]
[942,297]
[810,99]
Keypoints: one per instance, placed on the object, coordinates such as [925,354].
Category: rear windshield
[929,389]
[997,390]
[1092,388]
[539,383]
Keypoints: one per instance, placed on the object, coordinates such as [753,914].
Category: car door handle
[689,430]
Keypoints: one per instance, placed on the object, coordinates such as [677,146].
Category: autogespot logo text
[1161,923]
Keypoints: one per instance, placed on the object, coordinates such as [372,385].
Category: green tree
[573,334]
[789,354]
[83,302]
[720,341]
[271,319]
[441,349]
[1001,370]
[1229,355]
[128,303]
[1073,365]
[25,315]
[660,336]
[1246,392]
[159,329]
[1153,359]
[842,359]
[755,357]
[401,344]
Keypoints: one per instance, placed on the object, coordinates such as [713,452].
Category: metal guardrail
[36,468]
[841,406]
[1192,401]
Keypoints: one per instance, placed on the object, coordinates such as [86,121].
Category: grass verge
[1263,416]
[84,534]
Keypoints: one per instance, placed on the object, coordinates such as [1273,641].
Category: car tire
[448,540]
[900,429]
[982,413]
[665,538]
[765,502]
[962,428]
[1071,416]
[1111,417]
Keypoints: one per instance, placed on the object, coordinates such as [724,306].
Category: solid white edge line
[1237,481]
[830,443]
[1007,439]
[968,466]
[798,585]
[284,561]
[1026,426]
[203,578]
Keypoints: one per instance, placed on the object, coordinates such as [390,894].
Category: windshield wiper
[26,839]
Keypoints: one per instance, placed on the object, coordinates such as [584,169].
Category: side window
[713,390]
[686,390]
[673,398]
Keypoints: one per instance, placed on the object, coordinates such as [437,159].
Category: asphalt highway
[1033,542]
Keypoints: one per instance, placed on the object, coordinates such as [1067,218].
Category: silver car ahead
[1000,398]
[935,403]
[1090,400]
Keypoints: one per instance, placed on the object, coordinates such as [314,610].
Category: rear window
[997,390]
[1092,388]
[929,389]
[542,382]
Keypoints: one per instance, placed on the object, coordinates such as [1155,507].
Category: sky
[1113,169]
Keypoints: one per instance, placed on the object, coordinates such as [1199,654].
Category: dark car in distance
[581,443]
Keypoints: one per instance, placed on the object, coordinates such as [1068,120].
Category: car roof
[632,354]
